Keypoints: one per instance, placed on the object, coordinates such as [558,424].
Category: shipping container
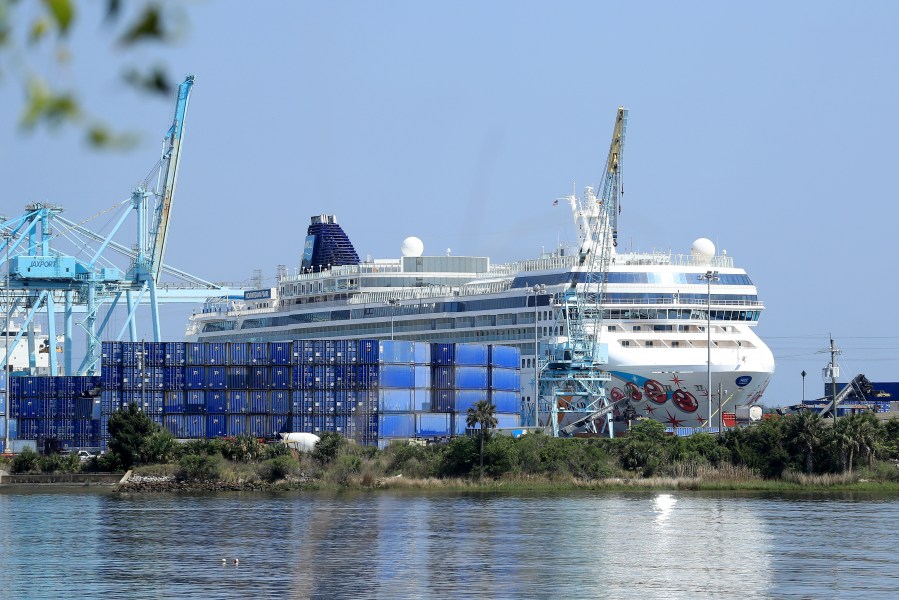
[217,353]
[280,353]
[505,379]
[175,354]
[396,376]
[506,401]
[278,424]
[395,400]
[303,377]
[396,426]
[259,353]
[238,401]
[259,401]
[432,424]
[110,353]
[303,352]
[195,378]
[303,401]
[238,354]
[154,354]
[465,399]
[111,376]
[472,355]
[83,408]
[323,377]
[195,354]
[216,402]
[174,402]
[195,402]
[216,425]
[237,425]
[367,352]
[281,377]
[216,378]
[173,378]
[258,425]
[505,357]
[280,402]
[260,377]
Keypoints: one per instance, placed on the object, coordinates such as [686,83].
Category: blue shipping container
[278,424]
[174,402]
[258,353]
[432,424]
[395,400]
[175,354]
[217,353]
[280,353]
[280,402]
[506,402]
[281,377]
[216,378]
[470,378]
[173,378]
[238,401]
[258,425]
[238,354]
[216,425]
[195,378]
[466,399]
[260,378]
[259,402]
[396,426]
[505,379]
[396,376]
[237,425]
[474,355]
[195,353]
[216,402]
[505,357]
[367,352]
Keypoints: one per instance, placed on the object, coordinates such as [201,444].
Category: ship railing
[636,259]
[344,271]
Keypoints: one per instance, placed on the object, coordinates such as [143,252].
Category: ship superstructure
[659,311]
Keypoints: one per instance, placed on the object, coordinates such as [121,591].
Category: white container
[749,413]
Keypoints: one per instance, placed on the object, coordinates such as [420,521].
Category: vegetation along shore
[795,452]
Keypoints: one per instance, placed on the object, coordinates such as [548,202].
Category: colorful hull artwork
[677,400]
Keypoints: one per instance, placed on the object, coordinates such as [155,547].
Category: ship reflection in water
[394,545]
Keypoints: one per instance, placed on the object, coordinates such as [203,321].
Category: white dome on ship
[412,246]
[703,248]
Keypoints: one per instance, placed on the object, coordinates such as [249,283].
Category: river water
[90,543]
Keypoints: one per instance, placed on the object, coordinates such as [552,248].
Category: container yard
[369,391]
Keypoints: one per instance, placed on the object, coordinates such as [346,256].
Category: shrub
[25,462]
[328,447]
[159,447]
[243,448]
[199,467]
[271,451]
[277,468]
[345,466]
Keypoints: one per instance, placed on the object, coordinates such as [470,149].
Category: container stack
[465,374]
[55,412]
[370,391]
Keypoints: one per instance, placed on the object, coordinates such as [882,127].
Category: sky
[768,127]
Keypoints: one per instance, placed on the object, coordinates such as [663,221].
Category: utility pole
[834,373]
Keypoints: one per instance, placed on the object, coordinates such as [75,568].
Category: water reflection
[663,505]
[395,545]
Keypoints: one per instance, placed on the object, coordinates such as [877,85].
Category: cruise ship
[663,315]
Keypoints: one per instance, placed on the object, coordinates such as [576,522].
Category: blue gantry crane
[39,276]
[571,375]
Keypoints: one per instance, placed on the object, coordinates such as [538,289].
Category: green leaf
[155,81]
[63,13]
[147,26]
[43,104]
[103,138]
[38,30]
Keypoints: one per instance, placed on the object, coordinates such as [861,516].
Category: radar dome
[703,248]
[412,246]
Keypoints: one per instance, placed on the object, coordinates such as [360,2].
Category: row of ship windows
[620,277]
[482,320]
[506,303]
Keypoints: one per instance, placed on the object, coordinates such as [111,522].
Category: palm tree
[483,413]
[846,432]
[808,431]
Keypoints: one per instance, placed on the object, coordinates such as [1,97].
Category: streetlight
[537,289]
[709,277]
[393,302]
[803,385]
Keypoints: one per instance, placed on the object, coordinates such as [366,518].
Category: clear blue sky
[770,128]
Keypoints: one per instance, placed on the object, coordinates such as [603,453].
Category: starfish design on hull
[650,409]
[674,421]
[677,380]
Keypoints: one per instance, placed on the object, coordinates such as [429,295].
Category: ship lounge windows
[625,343]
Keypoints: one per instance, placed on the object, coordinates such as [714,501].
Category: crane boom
[170,159]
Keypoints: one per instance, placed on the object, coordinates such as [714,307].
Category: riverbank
[143,484]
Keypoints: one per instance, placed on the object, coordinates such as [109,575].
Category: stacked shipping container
[367,390]
[61,412]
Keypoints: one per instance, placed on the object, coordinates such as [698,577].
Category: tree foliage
[38,33]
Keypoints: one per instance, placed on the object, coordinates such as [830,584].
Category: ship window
[636,328]
[649,344]
[675,344]
[625,342]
